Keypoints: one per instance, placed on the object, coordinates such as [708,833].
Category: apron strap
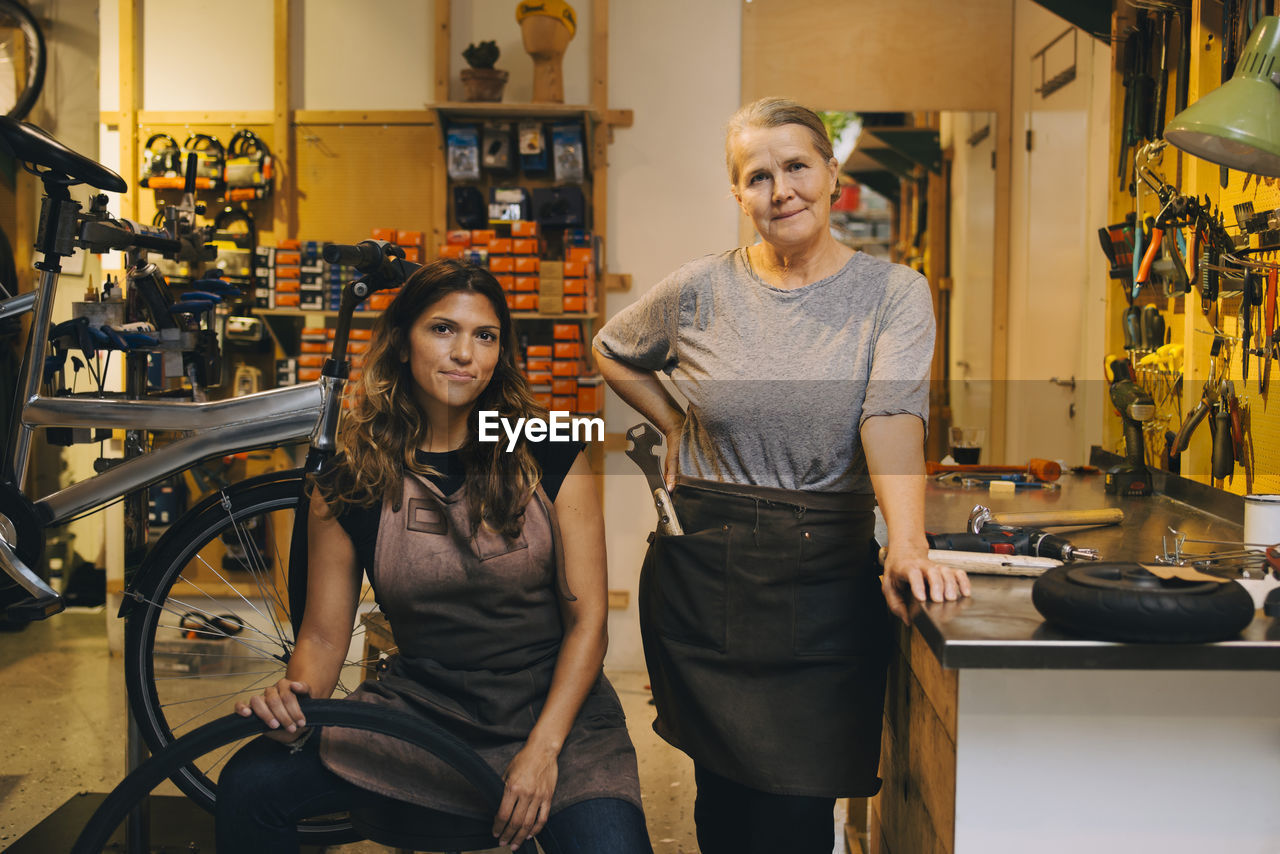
[562,580]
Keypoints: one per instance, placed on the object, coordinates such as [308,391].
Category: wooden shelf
[496,109]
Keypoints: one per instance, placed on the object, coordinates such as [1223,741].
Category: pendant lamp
[1237,125]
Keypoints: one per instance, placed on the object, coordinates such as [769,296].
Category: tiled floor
[62,700]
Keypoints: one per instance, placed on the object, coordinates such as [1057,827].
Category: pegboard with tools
[1198,318]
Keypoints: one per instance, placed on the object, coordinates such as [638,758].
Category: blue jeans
[265,790]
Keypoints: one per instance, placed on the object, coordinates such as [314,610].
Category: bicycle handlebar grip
[366,256]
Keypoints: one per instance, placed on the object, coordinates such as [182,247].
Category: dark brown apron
[767,637]
[477,623]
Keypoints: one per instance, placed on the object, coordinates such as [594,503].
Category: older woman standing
[805,366]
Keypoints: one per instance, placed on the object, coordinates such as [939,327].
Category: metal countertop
[998,627]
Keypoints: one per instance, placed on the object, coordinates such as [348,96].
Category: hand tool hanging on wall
[1208,396]
[1135,407]
[1152,328]
[1158,101]
[1264,381]
[1223,458]
[1246,322]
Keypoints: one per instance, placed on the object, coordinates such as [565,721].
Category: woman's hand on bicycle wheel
[278,708]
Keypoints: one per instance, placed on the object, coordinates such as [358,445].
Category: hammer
[1044,518]
[1044,470]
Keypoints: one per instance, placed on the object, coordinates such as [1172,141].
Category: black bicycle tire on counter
[1127,603]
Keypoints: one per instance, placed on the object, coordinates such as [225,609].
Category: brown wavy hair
[382,432]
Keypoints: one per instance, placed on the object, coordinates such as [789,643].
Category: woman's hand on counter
[909,569]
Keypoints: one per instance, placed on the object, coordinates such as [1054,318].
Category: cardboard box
[452,250]
[574,304]
[506,282]
[551,305]
[482,236]
[409,238]
[288,286]
[308,375]
[538,351]
[564,402]
[526,263]
[387,234]
[566,332]
[542,398]
[538,366]
[564,385]
[526,302]
[539,377]
[575,286]
[582,254]
[590,395]
[500,246]
[566,368]
[458,237]
[526,284]
[286,300]
[501,263]
[524,228]
[578,270]
[567,350]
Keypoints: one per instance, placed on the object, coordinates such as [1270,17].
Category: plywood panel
[891,54]
[352,178]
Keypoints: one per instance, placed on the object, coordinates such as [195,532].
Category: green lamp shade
[1238,124]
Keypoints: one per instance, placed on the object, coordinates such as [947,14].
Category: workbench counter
[999,627]
[1005,736]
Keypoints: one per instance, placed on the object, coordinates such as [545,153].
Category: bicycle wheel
[22,59]
[209,621]
[216,735]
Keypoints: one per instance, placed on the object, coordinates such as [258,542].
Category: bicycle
[221,593]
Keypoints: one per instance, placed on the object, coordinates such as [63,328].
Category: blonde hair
[772,113]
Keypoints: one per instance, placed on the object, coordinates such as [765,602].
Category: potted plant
[482,82]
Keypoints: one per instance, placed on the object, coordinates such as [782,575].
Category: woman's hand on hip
[909,569]
[526,803]
[277,707]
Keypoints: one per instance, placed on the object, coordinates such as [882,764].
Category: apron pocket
[691,573]
[838,608]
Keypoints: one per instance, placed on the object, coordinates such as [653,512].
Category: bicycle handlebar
[366,256]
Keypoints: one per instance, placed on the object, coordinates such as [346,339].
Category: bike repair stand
[137,832]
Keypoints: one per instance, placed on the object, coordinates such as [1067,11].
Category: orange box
[566,332]
[412,253]
[361,335]
[565,368]
[379,302]
[575,303]
[482,236]
[511,301]
[409,238]
[458,237]
[311,360]
[287,259]
[524,228]
[542,398]
[561,402]
[307,375]
[525,263]
[507,283]
[289,243]
[452,250]
[288,286]
[288,301]
[580,253]
[590,395]
[539,365]
[313,347]
[564,385]
[567,350]
[500,246]
[357,348]
[501,263]
[387,234]
[287,273]
[526,302]
[577,269]
[526,284]
[538,351]
[524,246]
[538,377]
[315,333]
[575,286]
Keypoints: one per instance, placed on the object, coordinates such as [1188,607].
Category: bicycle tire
[179,677]
[233,728]
[1126,603]
[35,56]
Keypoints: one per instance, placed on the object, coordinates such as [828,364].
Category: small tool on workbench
[981,515]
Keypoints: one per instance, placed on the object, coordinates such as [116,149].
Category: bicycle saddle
[29,144]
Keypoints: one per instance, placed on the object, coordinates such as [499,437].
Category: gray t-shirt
[779,381]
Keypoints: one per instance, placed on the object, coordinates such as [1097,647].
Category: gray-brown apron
[767,637]
[478,627]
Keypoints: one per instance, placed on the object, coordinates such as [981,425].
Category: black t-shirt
[553,458]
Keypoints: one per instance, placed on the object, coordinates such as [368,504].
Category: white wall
[208,54]
[669,203]
[495,20]
[381,58]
